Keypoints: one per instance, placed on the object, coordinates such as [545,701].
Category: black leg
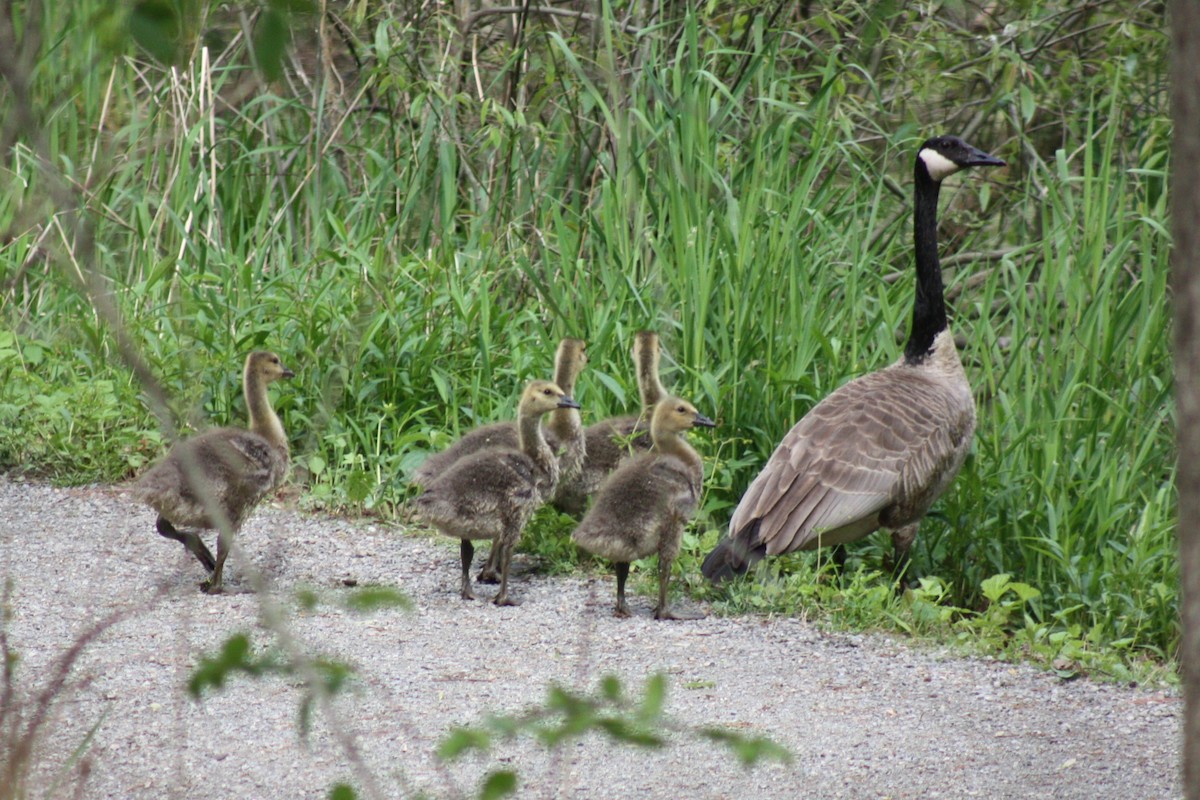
[502,598]
[191,541]
[663,611]
[213,585]
[490,572]
[622,610]
[839,557]
[467,551]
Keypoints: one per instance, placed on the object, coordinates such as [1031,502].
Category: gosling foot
[669,613]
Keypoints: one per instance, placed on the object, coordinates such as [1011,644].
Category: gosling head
[267,366]
[942,156]
[542,397]
[674,415]
[571,357]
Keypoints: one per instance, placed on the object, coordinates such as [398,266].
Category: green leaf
[373,598]
[342,791]
[749,750]
[461,740]
[307,599]
[359,485]
[622,731]
[500,783]
[610,687]
[155,26]
[212,671]
[993,588]
[654,698]
[270,42]
[1028,103]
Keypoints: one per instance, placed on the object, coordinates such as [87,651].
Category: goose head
[542,397]
[675,415]
[942,156]
[267,367]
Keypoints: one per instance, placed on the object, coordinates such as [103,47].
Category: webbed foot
[667,613]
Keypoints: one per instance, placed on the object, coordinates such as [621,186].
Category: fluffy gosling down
[561,431]
[214,481]
[643,506]
[610,441]
[492,494]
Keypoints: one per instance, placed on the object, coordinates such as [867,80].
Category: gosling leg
[502,598]
[467,551]
[191,542]
[213,584]
[621,610]
[663,611]
[490,572]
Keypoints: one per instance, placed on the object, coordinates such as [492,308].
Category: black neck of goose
[929,308]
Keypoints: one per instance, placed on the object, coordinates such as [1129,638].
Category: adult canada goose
[561,434]
[878,451]
[644,505]
[213,481]
[609,441]
[492,494]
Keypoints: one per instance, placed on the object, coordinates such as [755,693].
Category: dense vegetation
[420,205]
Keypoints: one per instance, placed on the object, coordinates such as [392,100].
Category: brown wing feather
[876,451]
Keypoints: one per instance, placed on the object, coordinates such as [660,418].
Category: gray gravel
[864,716]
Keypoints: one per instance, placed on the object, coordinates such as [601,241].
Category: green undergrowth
[416,224]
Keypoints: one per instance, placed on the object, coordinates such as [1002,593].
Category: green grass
[414,243]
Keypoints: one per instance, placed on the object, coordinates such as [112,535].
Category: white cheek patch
[937,164]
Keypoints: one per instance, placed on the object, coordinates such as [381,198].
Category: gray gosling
[492,494]
[609,442]
[643,506]
[561,431]
[878,451]
[215,480]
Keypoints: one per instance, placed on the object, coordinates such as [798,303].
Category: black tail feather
[734,556]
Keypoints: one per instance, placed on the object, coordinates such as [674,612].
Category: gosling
[643,506]
[492,494]
[215,480]
[563,433]
[610,441]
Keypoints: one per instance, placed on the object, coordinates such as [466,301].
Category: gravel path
[864,716]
